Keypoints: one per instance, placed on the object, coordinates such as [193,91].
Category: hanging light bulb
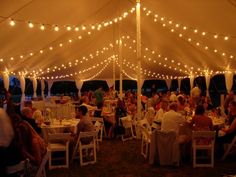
[31,25]
[42,27]
[68,28]
[12,22]
[226,38]
[56,28]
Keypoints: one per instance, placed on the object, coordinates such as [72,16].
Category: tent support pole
[138,33]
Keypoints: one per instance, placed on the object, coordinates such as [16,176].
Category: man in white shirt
[171,119]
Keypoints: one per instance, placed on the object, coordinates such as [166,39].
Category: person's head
[82,110]
[232,107]
[205,104]
[173,106]
[26,112]
[181,100]
[164,104]
[85,99]
[28,104]
[200,110]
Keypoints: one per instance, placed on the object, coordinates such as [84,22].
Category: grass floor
[123,159]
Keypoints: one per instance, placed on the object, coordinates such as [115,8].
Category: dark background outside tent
[217,87]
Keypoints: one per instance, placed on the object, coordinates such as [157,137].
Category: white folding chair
[127,123]
[203,141]
[99,125]
[145,145]
[230,148]
[58,142]
[41,171]
[86,148]
[144,123]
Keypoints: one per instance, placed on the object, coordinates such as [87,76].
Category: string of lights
[174,27]
[71,27]
[75,62]
[74,74]
[195,30]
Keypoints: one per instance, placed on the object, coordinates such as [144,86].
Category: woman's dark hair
[83,109]
[199,110]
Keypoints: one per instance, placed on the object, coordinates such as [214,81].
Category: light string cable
[174,27]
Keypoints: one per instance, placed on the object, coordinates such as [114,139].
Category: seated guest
[85,124]
[6,137]
[171,119]
[229,132]
[27,115]
[38,117]
[232,112]
[181,105]
[200,120]
[32,146]
[228,99]
[161,111]
[85,102]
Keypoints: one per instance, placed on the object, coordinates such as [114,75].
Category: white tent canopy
[179,38]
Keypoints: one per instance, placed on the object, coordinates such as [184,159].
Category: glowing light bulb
[31,25]
[226,38]
[42,27]
[76,28]
[12,22]
[56,28]
[68,28]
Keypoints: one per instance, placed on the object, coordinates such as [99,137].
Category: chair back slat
[59,136]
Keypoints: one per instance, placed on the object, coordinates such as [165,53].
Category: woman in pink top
[200,121]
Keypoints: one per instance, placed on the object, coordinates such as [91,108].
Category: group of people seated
[21,133]
[173,110]
[20,139]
